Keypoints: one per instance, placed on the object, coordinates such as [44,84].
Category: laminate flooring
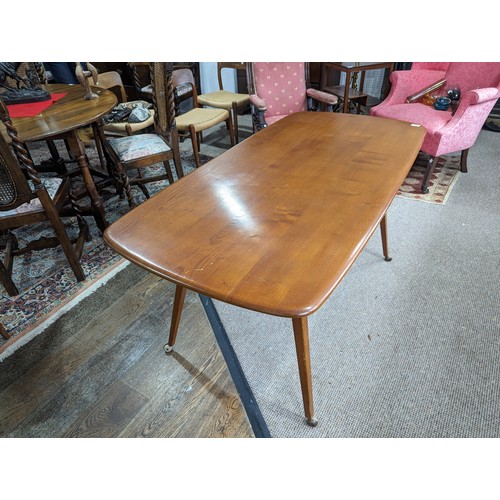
[100,371]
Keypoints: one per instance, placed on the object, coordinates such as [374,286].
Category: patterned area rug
[440,183]
[47,285]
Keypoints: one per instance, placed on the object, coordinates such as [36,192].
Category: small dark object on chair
[453,93]
[442,103]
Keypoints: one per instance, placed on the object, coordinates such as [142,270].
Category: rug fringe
[24,339]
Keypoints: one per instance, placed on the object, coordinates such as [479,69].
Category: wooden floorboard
[111,377]
[110,415]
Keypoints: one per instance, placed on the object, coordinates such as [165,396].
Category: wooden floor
[101,371]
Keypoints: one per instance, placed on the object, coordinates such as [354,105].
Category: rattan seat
[201,119]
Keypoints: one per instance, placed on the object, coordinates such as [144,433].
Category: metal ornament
[27,87]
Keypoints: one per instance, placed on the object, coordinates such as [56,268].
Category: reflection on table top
[70,112]
[274,223]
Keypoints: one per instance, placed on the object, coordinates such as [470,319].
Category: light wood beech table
[275,223]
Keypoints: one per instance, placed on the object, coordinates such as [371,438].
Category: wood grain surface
[68,113]
[274,223]
[101,371]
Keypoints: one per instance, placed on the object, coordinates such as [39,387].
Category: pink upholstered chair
[278,89]
[447,132]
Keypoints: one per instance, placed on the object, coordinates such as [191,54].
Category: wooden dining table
[275,223]
[61,120]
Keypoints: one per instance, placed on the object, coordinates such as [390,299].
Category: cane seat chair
[137,152]
[232,101]
[278,89]
[198,119]
[27,199]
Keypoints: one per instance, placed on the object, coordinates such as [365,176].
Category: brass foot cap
[312,422]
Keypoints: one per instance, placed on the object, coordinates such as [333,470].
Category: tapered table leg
[180,295]
[385,244]
[300,331]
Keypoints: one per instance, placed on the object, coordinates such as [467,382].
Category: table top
[68,113]
[274,223]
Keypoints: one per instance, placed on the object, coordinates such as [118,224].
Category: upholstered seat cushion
[273,119]
[223,99]
[138,146]
[201,118]
[51,184]
[430,118]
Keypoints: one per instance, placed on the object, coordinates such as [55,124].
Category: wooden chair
[278,89]
[196,120]
[144,89]
[224,99]
[111,80]
[144,150]
[27,199]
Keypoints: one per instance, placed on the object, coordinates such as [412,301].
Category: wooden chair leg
[7,264]
[128,188]
[235,123]
[431,165]
[180,295]
[62,236]
[57,162]
[231,131]
[194,143]
[6,280]
[4,332]
[300,330]
[385,244]
[168,171]
[177,154]
[463,160]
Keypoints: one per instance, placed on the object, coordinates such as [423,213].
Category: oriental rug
[440,183]
[47,285]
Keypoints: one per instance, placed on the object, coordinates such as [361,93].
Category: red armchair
[447,132]
[278,89]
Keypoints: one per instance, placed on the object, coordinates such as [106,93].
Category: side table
[345,92]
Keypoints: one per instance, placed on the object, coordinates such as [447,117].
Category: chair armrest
[462,130]
[475,106]
[478,96]
[405,83]
[321,96]
[259,103]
